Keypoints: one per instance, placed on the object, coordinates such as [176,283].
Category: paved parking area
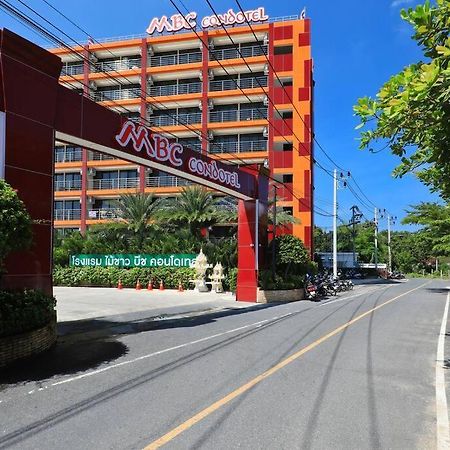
[80,303]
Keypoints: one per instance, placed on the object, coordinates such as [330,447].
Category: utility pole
[274,231]
[356,216]
[376,238]
[389,244]
[335,187]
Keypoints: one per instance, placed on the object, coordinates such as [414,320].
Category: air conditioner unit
[266,39]
[92,172]
[210,135]
[266,132]
[150,51]
[210,75]
[266,69]
[210,105]
[149,110]
[200,75]
[92,58]
[92,86]
[211,45]
[90,200]
[266,100]
[150,81]
[200,105]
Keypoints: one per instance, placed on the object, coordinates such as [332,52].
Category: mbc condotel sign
[178,22]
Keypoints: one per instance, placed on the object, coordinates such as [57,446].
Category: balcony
[238,115]
[68,156]
[243,83]
[115,183]
[71,70]
[73,185]
[171,60]
[176,89]
[101,157]
[233,53]
[117,94]
[238,147]
[178,119]
[119,65]
[166,181]
[103,213]
[67,214]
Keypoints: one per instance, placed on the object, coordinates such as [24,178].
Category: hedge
[110,276]
[22,311]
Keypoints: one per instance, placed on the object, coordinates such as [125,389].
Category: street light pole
[389,244]
[335,187]
[376,238]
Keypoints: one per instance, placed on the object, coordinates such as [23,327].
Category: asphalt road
[338,374]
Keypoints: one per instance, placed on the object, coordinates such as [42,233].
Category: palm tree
[195,208]
[139,211]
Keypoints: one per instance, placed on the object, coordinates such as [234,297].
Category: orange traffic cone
[119,284]
[138,285]
[161,285]
[150,285]
[180,287]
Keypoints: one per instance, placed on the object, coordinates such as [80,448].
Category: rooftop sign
[179,22]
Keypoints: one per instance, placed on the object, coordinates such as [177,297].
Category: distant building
[344,260]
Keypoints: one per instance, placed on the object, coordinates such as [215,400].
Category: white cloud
[397,3]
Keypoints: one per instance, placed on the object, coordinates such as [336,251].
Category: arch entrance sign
[35,110]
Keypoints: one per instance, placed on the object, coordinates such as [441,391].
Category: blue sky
[357,46]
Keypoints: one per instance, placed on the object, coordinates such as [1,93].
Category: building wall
[288,148]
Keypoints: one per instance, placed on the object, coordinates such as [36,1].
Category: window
[283,50]
[287,178]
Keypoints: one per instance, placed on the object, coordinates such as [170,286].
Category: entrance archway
[36,110]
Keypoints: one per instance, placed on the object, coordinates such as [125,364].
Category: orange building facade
[243,106]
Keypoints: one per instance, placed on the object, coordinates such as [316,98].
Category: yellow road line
[244,388]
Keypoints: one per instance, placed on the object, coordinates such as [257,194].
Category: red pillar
[28,96]
[252,238]
[205,89]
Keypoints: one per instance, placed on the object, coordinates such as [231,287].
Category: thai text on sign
[132,260]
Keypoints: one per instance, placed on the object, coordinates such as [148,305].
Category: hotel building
[207,97]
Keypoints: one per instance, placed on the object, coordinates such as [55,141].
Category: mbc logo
[160,148]
[155,146]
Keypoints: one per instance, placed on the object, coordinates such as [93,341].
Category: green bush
[268,283]
[22,311]
[230,280]
[110,276]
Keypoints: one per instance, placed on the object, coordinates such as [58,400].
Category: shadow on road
[62,359]
[93,342]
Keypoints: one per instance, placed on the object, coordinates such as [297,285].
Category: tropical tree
[434,219]
[411,114]
[15,222]
[140,211]
[195,208]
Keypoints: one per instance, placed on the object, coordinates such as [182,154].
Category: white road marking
[186,344]
[353,296]
[443,434]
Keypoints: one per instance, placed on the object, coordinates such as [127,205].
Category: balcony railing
[232,53]
[73,185]
[101,157]
[244,83]
[68,156]
[124,64]
[176,89]
[238,115]
[197,147]
[166,181]
[238,147]
[67,214]
[178,119]
[103,213]
[118,94]
[115,183]
[76,69]
[170,60]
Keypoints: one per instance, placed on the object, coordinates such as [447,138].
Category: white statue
[201,266]
[216,278]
